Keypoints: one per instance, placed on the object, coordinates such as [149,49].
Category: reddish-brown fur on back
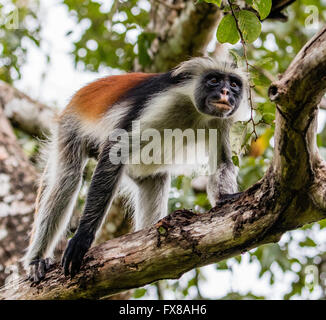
[93,100]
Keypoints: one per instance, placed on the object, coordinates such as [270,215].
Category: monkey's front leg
[222,184]
[100,195]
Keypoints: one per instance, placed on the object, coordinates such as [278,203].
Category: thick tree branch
[290,195]
[277,7]
[180,34]
[17,197]
[24,113]
[298,94]
[176,244]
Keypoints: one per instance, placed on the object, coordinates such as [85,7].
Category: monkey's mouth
[222,105]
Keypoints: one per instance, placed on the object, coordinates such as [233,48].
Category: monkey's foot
[228,197]
[38,269]
[74,253]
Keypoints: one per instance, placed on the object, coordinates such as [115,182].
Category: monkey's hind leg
[152,200]
[61,184]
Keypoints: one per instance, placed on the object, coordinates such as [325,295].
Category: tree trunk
[17,197]
[183,30]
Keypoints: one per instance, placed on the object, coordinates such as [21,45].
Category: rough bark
[181,34]
[25,113]
[17,196]
[290,195]
[183,30]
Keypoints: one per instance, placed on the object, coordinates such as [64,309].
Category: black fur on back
[144,91]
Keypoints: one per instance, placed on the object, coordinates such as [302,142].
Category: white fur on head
[199,65]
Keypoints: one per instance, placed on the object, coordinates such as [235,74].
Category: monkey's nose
[225,92]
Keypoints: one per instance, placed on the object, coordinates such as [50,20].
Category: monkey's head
[219,88]
[219,93]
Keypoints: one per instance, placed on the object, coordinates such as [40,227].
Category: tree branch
[298,94]
[277,7]
[17,197]
[180,34]
[24,113]
[185,240]
[178,243]
[290,195]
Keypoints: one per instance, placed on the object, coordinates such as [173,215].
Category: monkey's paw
[38,269]
[74,253]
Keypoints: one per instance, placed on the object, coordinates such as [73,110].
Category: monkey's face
[219,94]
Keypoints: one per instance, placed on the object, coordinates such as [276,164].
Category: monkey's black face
[219,93]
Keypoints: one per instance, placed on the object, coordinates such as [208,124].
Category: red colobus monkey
[199,94]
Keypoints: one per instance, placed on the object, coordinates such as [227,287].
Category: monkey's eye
[212,82]
[233,85]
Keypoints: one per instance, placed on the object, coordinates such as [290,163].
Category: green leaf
[249,25]
[322,224]
[227,30]
[263,7]
[139,293]
[144,42]
[222,265]
[319,141]
[265,62]
[259,79]
[266,107]
[192,282]
[217,2]
[268,118]
[235,160]
[202,201]
[238,258]
[308,242]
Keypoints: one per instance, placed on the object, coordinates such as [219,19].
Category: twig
[247,67]
[159,290]
[200,297]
